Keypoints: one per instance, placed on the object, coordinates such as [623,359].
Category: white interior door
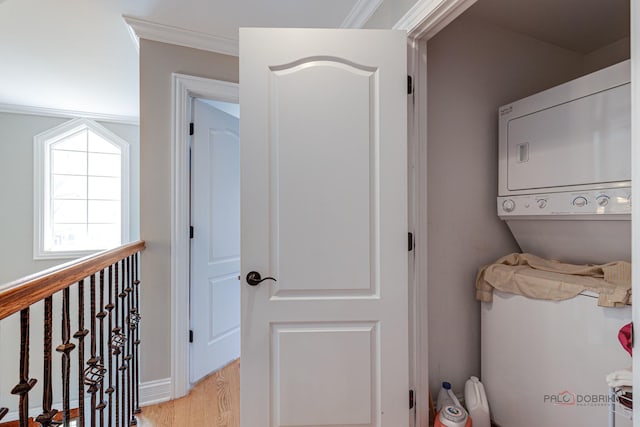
[215,247]
[324,212]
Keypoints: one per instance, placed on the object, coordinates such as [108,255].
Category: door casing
[184,88]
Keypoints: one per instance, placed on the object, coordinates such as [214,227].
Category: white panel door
[324,212]
[215,247]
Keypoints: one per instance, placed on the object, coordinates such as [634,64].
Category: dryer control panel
[594,202]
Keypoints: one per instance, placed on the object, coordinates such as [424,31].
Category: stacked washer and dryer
[565,193]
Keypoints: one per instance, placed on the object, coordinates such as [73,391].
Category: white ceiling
[78,55]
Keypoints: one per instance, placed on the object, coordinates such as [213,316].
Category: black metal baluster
[82,332]
[94,372]
[46,417]
[116,344]
[136,283]
[101,315]
[3,412]
[25,385]
[131,327]
[109,308]
[65,348]
[123,365]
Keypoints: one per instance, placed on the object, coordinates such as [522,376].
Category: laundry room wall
[473,68]
[608,55]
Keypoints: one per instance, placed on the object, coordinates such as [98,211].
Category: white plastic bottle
[475,399]
[444,397]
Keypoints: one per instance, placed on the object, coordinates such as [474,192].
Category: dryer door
[582,142]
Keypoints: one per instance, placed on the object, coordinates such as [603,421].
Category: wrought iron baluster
[116,345]
[130,329]
[94,372]
[136,288]
[124,332]
[82,332]
[25,385]
[101,315]
[65,348]
[3,412]
[46,417]
[110,306]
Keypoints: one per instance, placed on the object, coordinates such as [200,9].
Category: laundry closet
[495,53]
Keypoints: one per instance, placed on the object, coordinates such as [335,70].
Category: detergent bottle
[452,416]
[450,411]
[476,400]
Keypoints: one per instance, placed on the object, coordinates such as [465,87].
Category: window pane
[101,188]
[103,236]
[98,144]
[104,212]
[75,142]
[104,164]
[68,237]
[68,162]
[69,211]
[69,187]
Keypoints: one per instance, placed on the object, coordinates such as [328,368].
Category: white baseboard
[152,392]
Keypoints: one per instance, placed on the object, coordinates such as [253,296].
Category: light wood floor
[213,402]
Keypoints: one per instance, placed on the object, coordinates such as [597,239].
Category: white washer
[537,355]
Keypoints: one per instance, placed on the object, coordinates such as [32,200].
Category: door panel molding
[184,88]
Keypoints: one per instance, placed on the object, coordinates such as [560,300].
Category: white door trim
[427,17]
[184,88]
[424,20]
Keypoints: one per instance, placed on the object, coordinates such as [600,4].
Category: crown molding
[427,17]
[361,13]
[179,36]
[54,112]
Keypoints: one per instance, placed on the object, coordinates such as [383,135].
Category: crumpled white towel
[620,378]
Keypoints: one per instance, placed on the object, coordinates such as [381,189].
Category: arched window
[81,190]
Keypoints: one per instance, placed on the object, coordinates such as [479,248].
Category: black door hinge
[191,128]
[412,399]
[410,242]
[191,231]
[190,335]
[409,85]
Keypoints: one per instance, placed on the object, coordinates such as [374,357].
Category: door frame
[184,88]
[423,21]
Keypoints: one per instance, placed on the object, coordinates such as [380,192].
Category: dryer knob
[508,205]
[542,203]
[603,200]
[580,201]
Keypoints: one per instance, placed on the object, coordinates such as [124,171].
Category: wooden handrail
[24,292]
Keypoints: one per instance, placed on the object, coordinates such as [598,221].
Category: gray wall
[157,62]
[473,68]
[16,189]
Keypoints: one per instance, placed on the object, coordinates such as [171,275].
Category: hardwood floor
[213,402]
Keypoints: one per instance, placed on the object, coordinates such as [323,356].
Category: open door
[215,243]
[324,214]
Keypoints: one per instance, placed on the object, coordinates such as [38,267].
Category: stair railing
[101,355]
